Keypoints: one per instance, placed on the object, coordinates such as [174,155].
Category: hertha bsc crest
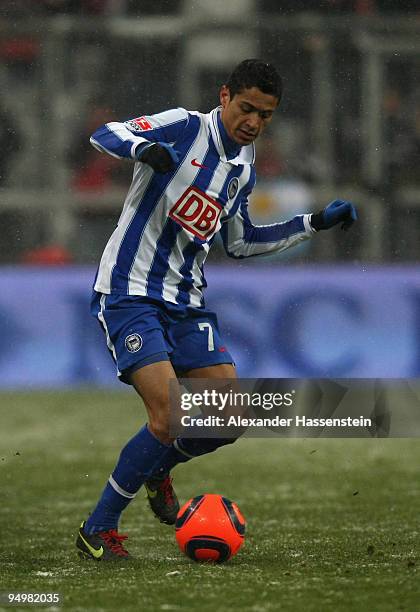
[233,187]
[133,343]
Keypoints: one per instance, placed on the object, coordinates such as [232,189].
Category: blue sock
[139,459]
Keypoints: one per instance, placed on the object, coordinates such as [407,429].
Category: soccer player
[193,173]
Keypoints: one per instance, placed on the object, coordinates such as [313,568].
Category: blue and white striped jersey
[169,221]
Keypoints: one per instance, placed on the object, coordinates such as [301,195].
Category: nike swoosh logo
[150,492]
[97,553]
[194,162]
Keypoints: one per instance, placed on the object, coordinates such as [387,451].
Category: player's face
[246,114]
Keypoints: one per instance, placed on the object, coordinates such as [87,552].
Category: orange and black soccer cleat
[162,498]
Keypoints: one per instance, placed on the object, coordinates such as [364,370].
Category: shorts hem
[124,376]
[207,364]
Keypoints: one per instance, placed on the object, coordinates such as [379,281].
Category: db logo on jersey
[197,212]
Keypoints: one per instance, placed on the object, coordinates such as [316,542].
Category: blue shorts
[140,331]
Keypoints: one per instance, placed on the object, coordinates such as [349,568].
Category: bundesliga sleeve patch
[140,124]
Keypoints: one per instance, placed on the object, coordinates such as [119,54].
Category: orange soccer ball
[210,528]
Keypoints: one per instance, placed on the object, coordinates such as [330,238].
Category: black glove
[339,211]
[160,156]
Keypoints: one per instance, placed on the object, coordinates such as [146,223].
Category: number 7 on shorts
[206,326]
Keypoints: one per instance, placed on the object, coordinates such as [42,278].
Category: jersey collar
[246,154]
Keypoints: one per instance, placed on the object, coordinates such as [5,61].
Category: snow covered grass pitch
[331,524]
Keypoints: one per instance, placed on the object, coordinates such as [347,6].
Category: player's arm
[241,238]
[149,139]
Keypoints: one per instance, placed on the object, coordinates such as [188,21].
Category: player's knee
[160,429]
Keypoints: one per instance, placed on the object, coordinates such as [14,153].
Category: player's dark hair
[255,73]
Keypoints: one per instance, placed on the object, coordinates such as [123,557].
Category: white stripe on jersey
[195,294]
[141,178]
[185,175]
[173,275]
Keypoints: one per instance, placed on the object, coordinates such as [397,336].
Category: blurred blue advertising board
[280,321]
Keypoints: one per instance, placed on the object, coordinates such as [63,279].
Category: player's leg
[142,453]
[183,449]
[162,497]
[191,347]
[152,383]
[140,458]
[135,339]
[158,484]
[199,352]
